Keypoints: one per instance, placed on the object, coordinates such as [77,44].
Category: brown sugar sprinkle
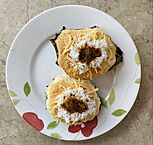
[88,54]
[73,105]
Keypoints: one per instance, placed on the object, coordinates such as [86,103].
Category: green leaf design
[12,93]
[111,97]
[56,135]
[15,101]
[27,89]
[118,112]
[137,81]
[52,125]
[137,58]
[103,102]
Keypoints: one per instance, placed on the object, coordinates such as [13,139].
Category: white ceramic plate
[31,66]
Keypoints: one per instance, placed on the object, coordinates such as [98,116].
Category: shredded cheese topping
[79,94]
[74,53]
[93,91]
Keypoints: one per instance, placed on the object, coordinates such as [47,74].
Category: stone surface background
[136,17]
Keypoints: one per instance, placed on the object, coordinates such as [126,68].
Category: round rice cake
[85,53]
[72,101]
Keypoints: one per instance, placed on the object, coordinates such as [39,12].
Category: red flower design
[33,120]
[86,128]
